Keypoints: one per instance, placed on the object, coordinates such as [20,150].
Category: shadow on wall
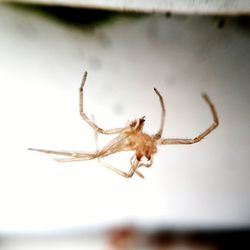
[77,17]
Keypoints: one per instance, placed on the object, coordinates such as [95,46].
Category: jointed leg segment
[64,153]
[200,136]
[158,135]
[129,174]
[85,117]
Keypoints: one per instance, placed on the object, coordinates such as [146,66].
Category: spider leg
[139,174]
[86,157]
[200,136]
[65,153]
[86,118]
[95,135]
[158,135]
[118,171]
[129,174]
[114,146]
[72,156]
[132,159]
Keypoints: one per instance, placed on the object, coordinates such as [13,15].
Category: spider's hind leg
[129,174]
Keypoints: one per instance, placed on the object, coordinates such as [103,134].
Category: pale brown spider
[130,138]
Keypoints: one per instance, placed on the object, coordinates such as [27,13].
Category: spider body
[143,144]
[130,138]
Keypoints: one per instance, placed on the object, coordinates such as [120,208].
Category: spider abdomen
[144,146]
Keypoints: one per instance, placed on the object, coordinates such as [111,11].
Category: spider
[130,138]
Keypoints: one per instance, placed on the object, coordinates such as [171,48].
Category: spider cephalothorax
[130,138]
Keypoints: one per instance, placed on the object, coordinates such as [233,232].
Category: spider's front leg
[200,136]
[86,118]
[158,135]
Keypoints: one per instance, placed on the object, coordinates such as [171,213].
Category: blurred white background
[41,66]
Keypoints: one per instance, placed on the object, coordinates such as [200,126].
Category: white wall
[41,66]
